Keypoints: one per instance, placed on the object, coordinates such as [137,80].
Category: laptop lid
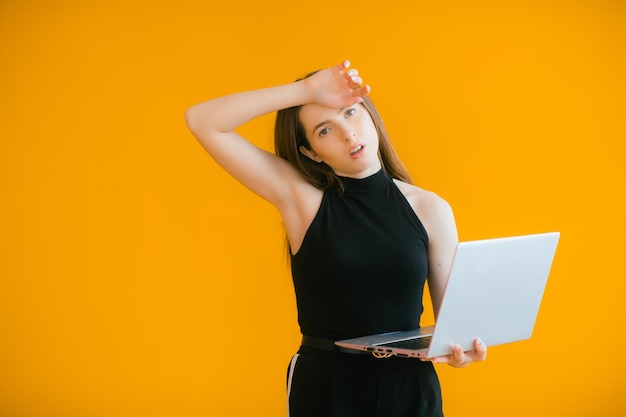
[493,292]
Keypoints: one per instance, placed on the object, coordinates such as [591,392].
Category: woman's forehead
[313,110]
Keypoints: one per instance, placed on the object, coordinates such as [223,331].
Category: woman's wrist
[304,91]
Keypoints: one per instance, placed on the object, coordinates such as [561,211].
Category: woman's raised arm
[214,122]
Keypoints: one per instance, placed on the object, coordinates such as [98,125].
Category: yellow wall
[127,257]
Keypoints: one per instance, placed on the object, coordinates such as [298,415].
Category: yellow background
[128,258]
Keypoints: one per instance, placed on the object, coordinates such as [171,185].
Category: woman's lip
[356,150]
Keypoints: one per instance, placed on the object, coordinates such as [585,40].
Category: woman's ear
[309,154]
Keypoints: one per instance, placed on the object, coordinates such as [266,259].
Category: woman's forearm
[225,114]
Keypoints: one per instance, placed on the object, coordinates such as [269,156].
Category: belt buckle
[381,355]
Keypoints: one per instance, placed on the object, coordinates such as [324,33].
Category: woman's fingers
[361,92]
[460,359]
[355,82]
[480,350]
[351,74]
[344,88]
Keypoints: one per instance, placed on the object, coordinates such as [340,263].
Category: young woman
[363,239]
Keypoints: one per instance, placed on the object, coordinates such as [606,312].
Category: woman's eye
[324,131]
[350,112]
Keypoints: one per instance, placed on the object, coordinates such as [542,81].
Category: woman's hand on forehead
[339,86]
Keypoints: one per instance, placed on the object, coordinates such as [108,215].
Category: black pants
[334,384]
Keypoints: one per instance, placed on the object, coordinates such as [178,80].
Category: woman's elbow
[191,118]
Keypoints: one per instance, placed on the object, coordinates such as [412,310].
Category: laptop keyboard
[418,343]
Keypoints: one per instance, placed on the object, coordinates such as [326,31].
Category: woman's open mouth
[356,151]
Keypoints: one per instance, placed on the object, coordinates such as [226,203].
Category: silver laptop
[493,293]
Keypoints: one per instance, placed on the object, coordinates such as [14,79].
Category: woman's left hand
[460,359]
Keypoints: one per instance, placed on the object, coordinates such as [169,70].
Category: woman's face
[345,139]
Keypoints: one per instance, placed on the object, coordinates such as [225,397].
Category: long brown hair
[289,135]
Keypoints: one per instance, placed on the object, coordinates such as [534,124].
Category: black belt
[328,345]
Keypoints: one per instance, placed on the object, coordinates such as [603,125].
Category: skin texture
[342,135]
[334,134]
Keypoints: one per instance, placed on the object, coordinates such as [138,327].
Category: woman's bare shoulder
[423,201]
[437,217]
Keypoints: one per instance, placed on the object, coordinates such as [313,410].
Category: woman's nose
[349,135]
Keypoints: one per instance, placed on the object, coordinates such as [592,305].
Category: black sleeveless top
[363,262]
